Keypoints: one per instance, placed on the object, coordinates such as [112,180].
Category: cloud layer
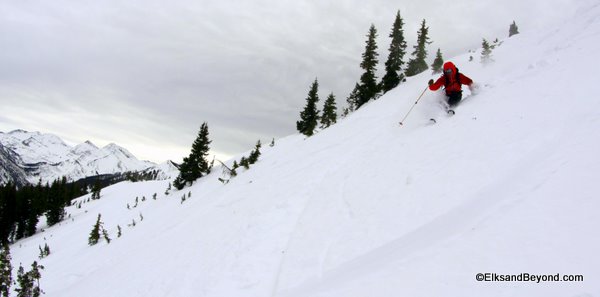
[146,74]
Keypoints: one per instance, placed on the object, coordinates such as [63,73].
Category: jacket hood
[450,66]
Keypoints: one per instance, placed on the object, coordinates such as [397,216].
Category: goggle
[448,71]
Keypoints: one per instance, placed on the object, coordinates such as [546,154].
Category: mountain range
[27,157]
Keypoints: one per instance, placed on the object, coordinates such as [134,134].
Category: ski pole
[401,122]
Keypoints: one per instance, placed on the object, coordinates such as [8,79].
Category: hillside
[369,208]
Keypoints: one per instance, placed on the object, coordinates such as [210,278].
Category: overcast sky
[146,74]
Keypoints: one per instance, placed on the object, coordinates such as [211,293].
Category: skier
[452,81]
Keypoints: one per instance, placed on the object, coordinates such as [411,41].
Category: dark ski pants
[454,98]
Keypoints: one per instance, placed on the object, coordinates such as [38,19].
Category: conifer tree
[119,231]
[244,162]
[29,282]
[96,190]
[352,99]
[105,235]
[45,252]
[95,234]
[393,77]
[438,63]
[513,30]
[368,81]
[486,52]
[309,117]
[417,63]
[195,165]
[329,112]
[5,271]
[255,153]
[56,204]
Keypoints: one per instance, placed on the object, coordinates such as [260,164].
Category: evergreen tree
[438,63]
[95,234]
[244,162]
[168,190]
[105,235]
[255,153]
[195,165]
[29,282]
[230,171]
[486,52]
[8,211]
[329,112]
[368,81]
[395,60]
[45,252]
[96,190]
[309,117]
[352,99]
[56,204]
[417,63]
[119,231]
[5,270]
[513,30]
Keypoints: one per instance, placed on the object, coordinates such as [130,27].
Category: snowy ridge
[47,157]
[367,208]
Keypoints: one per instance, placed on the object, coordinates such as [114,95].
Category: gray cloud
[146,74]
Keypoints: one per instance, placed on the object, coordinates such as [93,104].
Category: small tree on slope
[438,63]
[329,112]
[393,77]
[309,117]
[195,165]
[417,63]
[513,30]
[368,81]
[486,52]
[95,234]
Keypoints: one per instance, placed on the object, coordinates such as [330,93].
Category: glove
[430,82]
[473,87]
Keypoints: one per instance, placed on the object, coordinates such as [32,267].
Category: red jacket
[450,81]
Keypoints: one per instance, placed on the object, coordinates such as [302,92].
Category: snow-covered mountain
[33,156]
[506,186]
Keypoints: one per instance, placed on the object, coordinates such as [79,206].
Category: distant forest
[22,207]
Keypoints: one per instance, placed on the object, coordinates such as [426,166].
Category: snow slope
[368,208]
